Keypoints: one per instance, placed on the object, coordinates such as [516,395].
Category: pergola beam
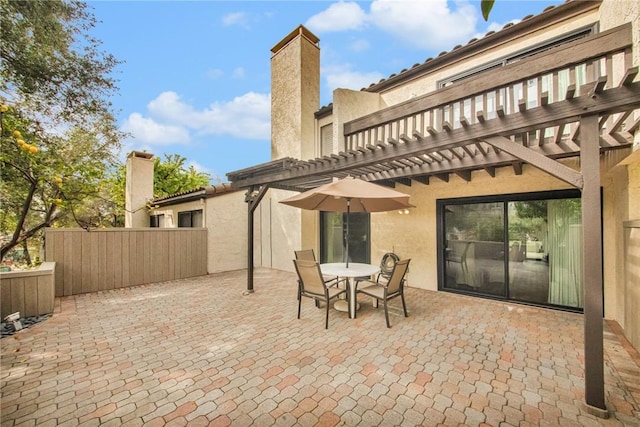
[592,268]
[610,101]
[540,161]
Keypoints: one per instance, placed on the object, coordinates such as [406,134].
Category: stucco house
[519,151]
[219,208]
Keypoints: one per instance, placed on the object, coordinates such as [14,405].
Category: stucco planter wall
[31,292]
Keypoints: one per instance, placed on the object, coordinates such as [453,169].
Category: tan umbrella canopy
[350,195]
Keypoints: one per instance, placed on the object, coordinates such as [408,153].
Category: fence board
[76,265]
[124,264]
[109,266]
[46,295]
[65,287]
[17,294]
[114,258]
[171,253]
[143,247]
[101,259]
[31,294]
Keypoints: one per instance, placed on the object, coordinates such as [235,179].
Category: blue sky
[195,77]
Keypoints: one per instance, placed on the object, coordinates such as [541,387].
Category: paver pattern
[200,352]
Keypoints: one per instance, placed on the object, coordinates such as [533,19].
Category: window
[517,56]
[521,247]
[333,232]
[326,140]
[190,218]
[156,221]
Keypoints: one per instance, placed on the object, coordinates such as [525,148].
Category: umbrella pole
[348,215]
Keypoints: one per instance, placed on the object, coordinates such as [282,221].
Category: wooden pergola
[476,125]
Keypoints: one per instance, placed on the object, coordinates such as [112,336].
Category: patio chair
[387,264]
[384,291]
[312,285]
[309,255]
[453,257]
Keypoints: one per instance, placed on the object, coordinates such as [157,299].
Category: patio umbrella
[350,195]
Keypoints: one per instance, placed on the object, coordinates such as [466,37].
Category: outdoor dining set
[331,281]
[343,281]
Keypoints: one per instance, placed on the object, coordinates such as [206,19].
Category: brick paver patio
[198,352]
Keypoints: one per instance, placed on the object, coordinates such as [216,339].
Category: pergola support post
[253,197]
[592,267]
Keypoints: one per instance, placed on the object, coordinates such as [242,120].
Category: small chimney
[139,189]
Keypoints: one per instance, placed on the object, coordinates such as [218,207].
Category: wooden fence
[97,260]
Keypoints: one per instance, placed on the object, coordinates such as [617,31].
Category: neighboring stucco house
[219,208]
[519,151]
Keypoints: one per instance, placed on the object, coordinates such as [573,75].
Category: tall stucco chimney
[295,94]
[139,189]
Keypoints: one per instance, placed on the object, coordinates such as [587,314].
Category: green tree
[170,176]
[58,134]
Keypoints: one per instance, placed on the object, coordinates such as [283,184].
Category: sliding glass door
[525,247]
[333,237]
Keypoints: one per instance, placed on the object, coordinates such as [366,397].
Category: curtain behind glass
[565,252]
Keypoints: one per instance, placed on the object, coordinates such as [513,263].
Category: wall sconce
[403,211]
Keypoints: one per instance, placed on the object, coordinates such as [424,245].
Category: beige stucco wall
[139,190]
[622,288]
[349,105]
[632,257]
[226,220]
[277,231]
[616,12]
[622,292]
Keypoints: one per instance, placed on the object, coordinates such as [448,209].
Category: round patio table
[355,269]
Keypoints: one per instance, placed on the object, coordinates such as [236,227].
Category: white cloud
[239,73]
[342,76]
[214,73]
[148,131]
[359,45]
[425,24]
[169,107]
[172,121]
[247,116]
[239,19]
[339,16]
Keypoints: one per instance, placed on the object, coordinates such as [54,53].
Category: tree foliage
[58,134]
[171,176]
[51,64]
